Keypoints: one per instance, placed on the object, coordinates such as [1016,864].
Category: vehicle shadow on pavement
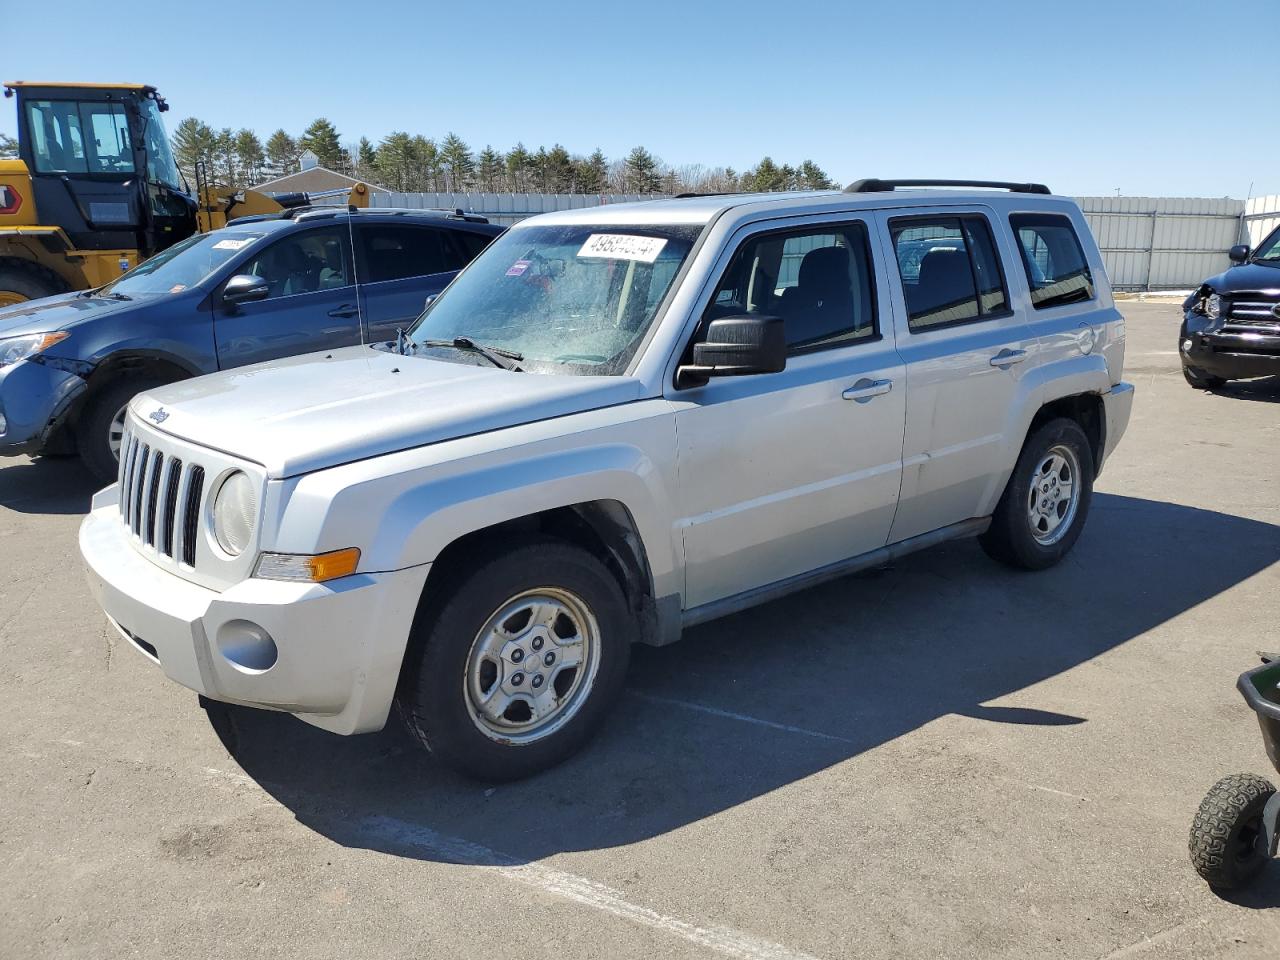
[1261,391]
[48,485]
[748,704]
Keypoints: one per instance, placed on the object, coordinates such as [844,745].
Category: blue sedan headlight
[13,349]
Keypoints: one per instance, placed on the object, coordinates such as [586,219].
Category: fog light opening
[247,646]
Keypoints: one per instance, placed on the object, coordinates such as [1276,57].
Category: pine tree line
[411,163]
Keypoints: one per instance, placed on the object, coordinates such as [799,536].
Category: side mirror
[1239,253]
[244,287]
[734,346]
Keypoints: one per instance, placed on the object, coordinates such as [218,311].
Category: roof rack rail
[872,185]
[321,211]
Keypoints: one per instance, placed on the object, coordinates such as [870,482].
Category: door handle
[1007,358]
[345,311]
[865,389]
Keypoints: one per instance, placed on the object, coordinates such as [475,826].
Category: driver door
[784,473]
[311,305]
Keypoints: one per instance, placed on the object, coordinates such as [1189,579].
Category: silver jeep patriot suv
[617,422]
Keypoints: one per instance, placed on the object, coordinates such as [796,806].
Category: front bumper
[338,646]
[33,397]
[1230,355]
[1117,404]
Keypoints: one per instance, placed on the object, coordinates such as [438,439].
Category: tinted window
[1057,271]
[396,251]
[819,281]
[471,243]
[304,263]
[72,137]
[950,270]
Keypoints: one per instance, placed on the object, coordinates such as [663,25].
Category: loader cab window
[74,137]
[161,167]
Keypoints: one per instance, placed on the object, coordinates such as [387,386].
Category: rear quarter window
[1054,261]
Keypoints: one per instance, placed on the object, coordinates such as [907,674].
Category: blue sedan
[259,289]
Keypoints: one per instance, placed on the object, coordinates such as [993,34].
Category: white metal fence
[1148,243]
[1261,216]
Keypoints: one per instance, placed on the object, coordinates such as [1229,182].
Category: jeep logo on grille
[159,415]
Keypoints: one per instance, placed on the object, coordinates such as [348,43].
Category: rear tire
[1228,840]
[21,280]
[1036,524]
[1201,381]
[493,693]
[97,438]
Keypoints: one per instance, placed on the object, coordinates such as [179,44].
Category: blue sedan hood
[59,313]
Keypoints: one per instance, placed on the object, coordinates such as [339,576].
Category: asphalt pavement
[945,758]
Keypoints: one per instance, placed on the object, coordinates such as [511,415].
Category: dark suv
[1231,325]
[261,288]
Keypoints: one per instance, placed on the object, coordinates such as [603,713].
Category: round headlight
[235,511]
[1213,306]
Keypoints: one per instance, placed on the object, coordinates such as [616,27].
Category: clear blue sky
[1152,98]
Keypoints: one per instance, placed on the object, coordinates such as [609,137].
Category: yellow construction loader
[95,190]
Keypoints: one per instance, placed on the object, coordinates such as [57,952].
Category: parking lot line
[722,939]
[730,715]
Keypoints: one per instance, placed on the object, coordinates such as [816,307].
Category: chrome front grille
[1263,310]
[166,489]
[160,498]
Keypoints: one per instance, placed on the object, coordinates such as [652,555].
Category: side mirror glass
[244,287]
[1239,253]
[735,346]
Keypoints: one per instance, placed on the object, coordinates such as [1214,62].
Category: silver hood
[306,413]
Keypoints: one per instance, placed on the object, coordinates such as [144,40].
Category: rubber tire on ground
[30,280]
[1201,381]
[1009,538]
[93,427]
[1234,804]
[431,700]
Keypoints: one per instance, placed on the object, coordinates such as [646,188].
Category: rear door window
[950,270]
[394,251]
[471,244]
[1057,270]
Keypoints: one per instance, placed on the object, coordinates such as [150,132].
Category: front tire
[1201,381]
[521,664]
[21,281]
[101,425]
[1046,502]
[1228,838]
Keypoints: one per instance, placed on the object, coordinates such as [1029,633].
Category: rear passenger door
[968,353]
[783,473]
[1064,312]
[400,265]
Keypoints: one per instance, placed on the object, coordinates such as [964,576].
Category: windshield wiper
[115,296]
[403,343]
[506,359]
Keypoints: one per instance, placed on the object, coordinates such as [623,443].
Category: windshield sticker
[618,246]
[229,244]
[518,268]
